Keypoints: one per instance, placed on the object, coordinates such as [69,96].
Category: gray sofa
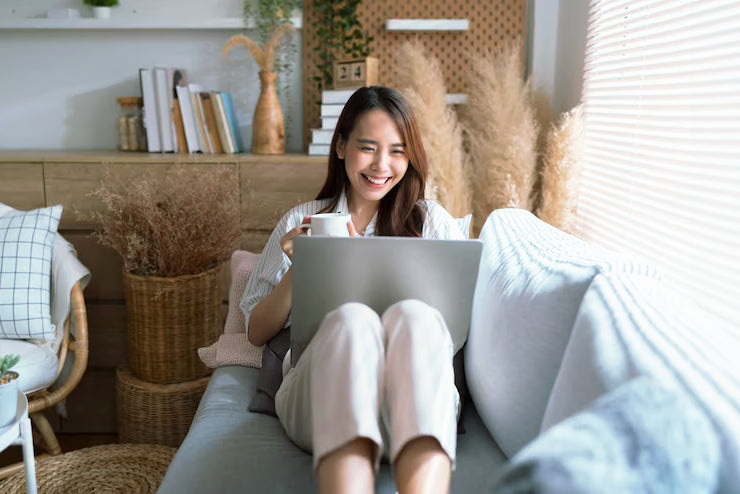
[557,324]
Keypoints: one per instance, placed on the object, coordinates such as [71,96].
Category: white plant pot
[8,400]
[101,12]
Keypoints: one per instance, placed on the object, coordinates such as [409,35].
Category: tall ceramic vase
[268,128]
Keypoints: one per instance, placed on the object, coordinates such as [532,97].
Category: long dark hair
[401,212]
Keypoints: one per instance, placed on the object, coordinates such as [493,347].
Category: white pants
[388,379]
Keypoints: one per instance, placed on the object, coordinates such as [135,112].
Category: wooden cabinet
[267,187]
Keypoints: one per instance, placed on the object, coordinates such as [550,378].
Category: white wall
[60,85]
[556,48]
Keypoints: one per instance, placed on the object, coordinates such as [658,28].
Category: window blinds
[661,175]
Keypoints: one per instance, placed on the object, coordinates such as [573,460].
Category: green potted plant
[8,388]
[340,36]
[101,8]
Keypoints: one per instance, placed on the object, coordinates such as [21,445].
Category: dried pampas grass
[543,113]
[561,165]
[421,80]
[265,58]
[502,131]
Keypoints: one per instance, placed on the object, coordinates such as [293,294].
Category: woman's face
[374,156]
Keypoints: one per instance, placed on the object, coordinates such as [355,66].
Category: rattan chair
[39,401]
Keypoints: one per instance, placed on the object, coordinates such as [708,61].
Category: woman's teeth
[376,181]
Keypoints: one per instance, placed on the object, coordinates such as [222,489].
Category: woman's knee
[419,320]
[353,320]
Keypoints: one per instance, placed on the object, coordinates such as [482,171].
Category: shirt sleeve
[273,262]
[439,224]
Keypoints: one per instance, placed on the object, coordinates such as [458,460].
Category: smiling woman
[377,172]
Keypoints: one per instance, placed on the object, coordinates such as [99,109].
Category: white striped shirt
[274,263]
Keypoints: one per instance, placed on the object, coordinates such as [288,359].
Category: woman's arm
[268,317]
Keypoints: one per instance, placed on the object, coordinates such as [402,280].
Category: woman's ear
[340,147]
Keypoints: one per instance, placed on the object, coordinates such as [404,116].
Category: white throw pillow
[630,326]
[26,242]
[530,285]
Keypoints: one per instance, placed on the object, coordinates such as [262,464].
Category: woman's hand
[287,241]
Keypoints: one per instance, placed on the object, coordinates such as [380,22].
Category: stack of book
[181,117]
[332,104]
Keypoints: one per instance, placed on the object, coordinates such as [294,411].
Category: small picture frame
[356,73]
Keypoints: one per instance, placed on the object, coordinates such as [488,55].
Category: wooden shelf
[133,22]
[427,24]
[112,156]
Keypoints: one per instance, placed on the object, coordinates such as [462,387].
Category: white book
[164,109]
[331,110]
[188,119]
[318,149]
[203,140]
[329,122]
[151,122]
[334,96]
[322,136]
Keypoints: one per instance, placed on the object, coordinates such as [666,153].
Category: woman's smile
[377,181]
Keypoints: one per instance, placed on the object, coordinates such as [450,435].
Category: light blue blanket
[640,438]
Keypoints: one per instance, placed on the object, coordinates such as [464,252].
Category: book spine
[210,121]
[331,110]
[336,96]
[322,136]
[164,112]
[199,119]
[188,120]
[329,122]
[318,149]
[233,121]
[146,79]
[179,127]
[222,123]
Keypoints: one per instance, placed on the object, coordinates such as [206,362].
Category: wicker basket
[155,413]
[168,320]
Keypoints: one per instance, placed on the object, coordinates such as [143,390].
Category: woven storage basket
[129,468]
[168,320]
[155,413]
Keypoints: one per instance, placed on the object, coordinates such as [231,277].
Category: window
[661,177]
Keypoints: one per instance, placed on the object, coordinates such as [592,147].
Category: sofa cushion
[530,285]
[630,326]
[640,437]
[38,367]
[229,449]
[26,241]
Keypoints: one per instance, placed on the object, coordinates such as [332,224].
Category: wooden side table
[19,432]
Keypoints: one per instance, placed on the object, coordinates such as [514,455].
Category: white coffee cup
[330,224]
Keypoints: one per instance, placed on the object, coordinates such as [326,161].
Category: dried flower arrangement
[502,131]
[171,222]
[421,80]
[265,57]
[560,170]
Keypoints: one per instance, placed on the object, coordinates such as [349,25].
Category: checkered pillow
[26,243]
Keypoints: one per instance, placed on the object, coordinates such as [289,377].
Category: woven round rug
[129,468]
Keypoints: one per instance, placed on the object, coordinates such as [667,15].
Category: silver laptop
[380,271]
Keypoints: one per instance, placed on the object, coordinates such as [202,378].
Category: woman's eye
[366,148]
